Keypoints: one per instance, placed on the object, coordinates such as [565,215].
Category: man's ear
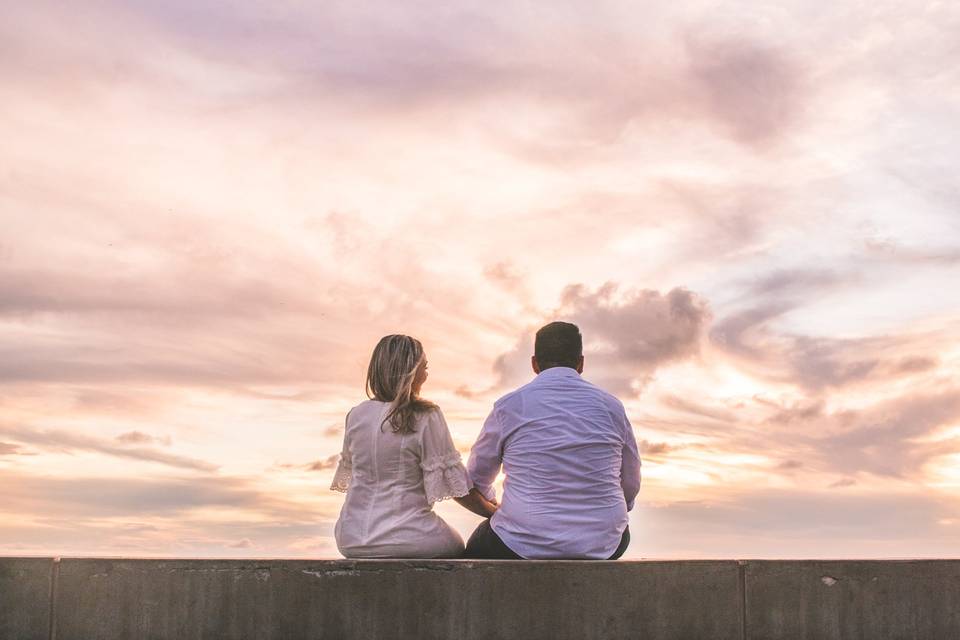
[580,365]
[535,364]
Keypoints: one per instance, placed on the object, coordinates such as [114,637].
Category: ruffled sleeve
[344,472]
[444,475]
[341,477]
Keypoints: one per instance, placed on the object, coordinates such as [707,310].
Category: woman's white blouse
[391,481]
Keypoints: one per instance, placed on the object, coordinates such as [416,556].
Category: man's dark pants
[485,544]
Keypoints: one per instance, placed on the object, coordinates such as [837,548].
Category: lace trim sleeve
[341,477]
[444,477]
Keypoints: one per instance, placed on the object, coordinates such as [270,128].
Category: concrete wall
[25,591]
[462,600]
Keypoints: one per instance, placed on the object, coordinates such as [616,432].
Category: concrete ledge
[853,599]
[463,599]
[25,585]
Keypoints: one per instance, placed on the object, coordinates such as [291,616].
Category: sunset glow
[211,213]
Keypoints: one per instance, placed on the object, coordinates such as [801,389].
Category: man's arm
[485,457]
[630,464]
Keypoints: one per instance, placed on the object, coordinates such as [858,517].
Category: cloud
[691,407]
[334,430]
[889,439]
[797,412]
[484,160]
[754,89]
[322,465]
[505,274]
[627,335]
[792,523]
[816,363]
[93,497]
[893,438]
[63,441]
[843,482]
[782,282]
[891,250]
[7,449]
[138,437]
[241,544]
[654,448]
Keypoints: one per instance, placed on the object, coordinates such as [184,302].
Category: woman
[398,459]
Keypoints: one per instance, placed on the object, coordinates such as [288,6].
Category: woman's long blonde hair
[393,369]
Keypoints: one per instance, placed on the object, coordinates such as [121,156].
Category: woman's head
[398,368]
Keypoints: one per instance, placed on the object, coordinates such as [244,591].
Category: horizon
[212,214]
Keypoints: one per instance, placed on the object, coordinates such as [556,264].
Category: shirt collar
[558,372]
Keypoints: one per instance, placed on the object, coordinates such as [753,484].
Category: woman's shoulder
[365,408]
[430,412]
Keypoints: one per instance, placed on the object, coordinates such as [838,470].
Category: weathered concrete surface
[873,600]
[462,599]
[459,600]
[25,598]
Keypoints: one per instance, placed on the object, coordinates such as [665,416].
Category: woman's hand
[476,503]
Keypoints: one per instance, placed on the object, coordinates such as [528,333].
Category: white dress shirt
[391,481]
[571,466]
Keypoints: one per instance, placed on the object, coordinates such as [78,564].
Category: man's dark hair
[558,344]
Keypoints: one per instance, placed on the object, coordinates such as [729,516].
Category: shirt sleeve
[444,475]
[344,472]
[486,457]
[630,464]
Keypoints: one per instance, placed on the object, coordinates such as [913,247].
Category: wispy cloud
[67,442]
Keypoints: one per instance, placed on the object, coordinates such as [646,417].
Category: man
[570,459]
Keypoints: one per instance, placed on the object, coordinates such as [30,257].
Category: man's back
[571,465]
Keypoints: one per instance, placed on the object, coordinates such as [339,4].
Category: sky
[211,211]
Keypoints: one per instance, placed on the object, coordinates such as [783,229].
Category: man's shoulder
[508,397]
[610,401]
[515,395]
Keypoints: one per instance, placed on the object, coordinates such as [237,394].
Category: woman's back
[392,480]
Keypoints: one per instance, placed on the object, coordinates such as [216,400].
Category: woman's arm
[475,502]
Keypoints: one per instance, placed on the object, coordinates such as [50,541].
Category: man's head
[558,344]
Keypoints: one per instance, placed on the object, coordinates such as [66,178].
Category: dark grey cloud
[70,442]
[627,335]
